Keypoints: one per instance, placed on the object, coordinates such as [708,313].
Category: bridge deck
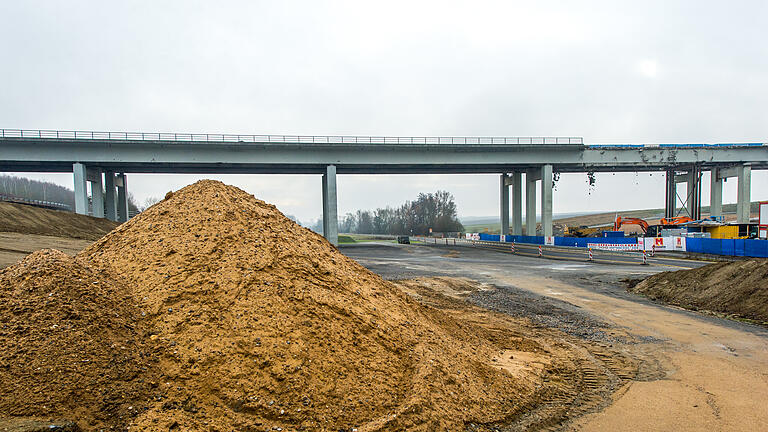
[56,151]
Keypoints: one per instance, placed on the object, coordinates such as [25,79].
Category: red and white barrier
[615,247]
[590,254]
[512,247]
[539,251]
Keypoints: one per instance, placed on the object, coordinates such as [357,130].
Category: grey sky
[652,71]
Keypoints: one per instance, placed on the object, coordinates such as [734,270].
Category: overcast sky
[610,71]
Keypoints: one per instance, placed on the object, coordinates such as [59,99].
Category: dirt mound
[264,324]
[736,288]
[27,219]
[70,345]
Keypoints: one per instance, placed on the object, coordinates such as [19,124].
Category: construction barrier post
[590,254]
[512,247]
[653,250]
[645,262]
[539,251]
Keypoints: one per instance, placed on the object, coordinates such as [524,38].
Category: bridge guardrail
[285,139]
[40,203]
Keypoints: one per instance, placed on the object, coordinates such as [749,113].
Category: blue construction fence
[731,247]
[728,247]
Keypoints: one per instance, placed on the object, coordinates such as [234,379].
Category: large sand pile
[259,323]
[736,288]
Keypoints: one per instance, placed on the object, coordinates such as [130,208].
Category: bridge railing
[287,139]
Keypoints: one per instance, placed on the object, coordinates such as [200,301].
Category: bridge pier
[122,197]
[81,188]
[504,202]
[82,176]
[546,200]
[743,193]
[743,199]
[692,204]
[517,203]
[330,212]
[694,192]
[516,181]
[670,200]
[530,202]
[97,192]
[110,197]
[544,174]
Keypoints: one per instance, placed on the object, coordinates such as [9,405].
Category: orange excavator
[675,221]
[629,221]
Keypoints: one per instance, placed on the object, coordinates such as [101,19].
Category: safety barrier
[726,247]
[533,250]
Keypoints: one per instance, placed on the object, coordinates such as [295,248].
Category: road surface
[701,372]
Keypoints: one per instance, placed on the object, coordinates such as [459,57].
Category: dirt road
[712,373]
[15,246]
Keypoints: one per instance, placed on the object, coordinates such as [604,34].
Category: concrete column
[670,201]
[81,188]
[504,204]
[330,215]
[530,204]
[517,203]
[715,193]
[743,199]
[546,200]
[97,194]
[324,188]
[109,197]
[122,198]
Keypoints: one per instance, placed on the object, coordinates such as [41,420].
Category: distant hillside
[36,190]
[23,187]
[26,219]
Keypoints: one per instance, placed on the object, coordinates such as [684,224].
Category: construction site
[346,216]
[213,311]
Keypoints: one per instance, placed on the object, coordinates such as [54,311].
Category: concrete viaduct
[104,159]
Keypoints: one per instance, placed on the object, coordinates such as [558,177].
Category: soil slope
[736,288]
[35,220]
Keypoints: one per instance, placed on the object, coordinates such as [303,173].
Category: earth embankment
[737,288]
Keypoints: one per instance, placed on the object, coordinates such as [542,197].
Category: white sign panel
[665,243]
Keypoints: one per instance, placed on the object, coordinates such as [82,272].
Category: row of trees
[437,211]
[23,187]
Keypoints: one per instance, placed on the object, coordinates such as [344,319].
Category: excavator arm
[675,220]
[630,221]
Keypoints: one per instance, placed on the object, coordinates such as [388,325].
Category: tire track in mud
[591,360]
